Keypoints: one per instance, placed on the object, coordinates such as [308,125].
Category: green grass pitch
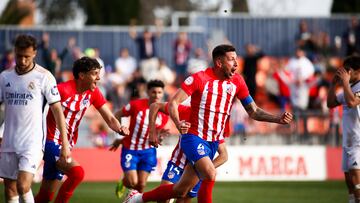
[229,192]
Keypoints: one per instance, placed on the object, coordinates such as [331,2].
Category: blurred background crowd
[287,63]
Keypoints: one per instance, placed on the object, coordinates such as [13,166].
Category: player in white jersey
[348,77]
[24,90]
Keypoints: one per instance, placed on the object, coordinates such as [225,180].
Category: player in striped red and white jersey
[212,94]
[76,97]
[138,157]
[177,162]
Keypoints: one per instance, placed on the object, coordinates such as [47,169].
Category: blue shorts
[196,148]
[142,160]
[51,155]
[173,174]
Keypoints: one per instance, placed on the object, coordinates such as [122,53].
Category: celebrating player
[177,162]
[212,94]
[138,157]
[76,97]
[24,90]
[349,79]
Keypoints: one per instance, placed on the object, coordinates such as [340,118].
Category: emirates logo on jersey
[31,86]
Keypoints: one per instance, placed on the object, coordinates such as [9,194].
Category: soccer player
[24,90]
[212,94]
[76,97]
[138,157]
[348,77]
[177,162]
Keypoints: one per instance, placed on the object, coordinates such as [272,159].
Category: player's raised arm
[259,114]
[174,102]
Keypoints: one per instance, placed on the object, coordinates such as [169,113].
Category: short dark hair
[221,50]
[155,83]
[352,62]
[24,41]
[83,65]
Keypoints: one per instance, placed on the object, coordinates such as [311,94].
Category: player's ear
[81,75]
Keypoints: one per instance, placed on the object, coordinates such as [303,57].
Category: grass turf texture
[230,192]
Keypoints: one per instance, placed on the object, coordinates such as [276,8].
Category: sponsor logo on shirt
[7,85]
[18,98]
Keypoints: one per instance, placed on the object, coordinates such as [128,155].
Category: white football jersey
[351,119]
[24,97]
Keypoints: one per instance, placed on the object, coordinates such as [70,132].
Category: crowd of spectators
[297,83]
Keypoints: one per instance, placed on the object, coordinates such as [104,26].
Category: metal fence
[276,36]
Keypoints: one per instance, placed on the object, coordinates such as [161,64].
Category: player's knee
[23,188]
[210,174]
[77,173]
[131,183]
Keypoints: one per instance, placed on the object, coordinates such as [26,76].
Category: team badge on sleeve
[127,107]
[189,80]
[54,91]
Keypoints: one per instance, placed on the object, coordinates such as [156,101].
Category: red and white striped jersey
[211,102]
[138,110]
[74,106]
[178,157]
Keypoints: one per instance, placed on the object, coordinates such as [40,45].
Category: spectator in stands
[351,37]
[55,64]
[301,69]
[69,54]
[163,73]
[125,66]
[182,50]
[198,62]
[44,48]
[283,78]
[147,48]
[252,56]
[137,86]
[8,60]
[305,40]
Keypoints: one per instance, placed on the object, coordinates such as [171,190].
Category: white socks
[13,199]
[28,197]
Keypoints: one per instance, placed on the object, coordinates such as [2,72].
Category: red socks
[205,191]
[44,196]
[74,177]
[161,193]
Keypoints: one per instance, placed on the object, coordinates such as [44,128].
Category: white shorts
[350,158]
[11,163]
